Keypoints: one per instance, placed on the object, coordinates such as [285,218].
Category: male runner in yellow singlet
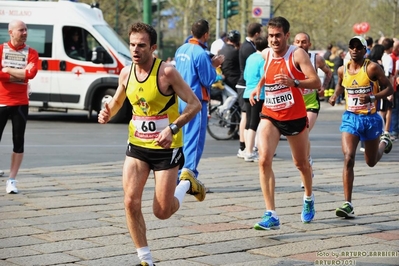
[155,141]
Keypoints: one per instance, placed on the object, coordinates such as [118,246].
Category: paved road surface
[70,209]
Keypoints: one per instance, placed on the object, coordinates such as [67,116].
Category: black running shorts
[291,127]
[157,159]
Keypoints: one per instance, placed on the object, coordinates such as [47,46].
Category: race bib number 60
[149,127]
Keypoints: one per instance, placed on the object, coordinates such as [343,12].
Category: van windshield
[114,39]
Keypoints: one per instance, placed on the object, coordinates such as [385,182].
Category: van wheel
[105,97]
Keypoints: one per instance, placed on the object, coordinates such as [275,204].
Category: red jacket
[13,93]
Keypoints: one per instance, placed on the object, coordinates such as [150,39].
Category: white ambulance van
[80,55]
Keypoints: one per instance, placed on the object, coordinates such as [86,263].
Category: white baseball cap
[359,38]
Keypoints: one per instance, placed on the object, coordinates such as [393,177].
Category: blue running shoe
[308,210]
[268,222]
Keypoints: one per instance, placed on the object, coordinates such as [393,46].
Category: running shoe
[251,157]
[11,187]
[197,189]
[143,263]
[388,142]
[268,222]
[1,172]
[308,210]
[345,211]
[241,154]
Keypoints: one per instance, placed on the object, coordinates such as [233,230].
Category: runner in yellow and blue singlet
[360,79]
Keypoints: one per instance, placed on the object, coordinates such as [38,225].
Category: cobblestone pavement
[74,215]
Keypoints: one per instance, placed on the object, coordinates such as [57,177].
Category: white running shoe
[1,172]
[241,154]
[251,157]
[11,187]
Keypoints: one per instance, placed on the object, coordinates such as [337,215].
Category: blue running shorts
[366,127]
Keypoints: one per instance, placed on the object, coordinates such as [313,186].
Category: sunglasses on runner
[358,47]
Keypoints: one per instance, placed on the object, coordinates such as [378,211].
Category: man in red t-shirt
[17,66]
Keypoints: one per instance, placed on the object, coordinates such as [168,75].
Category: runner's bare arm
[377,73]
[117,101]
[302,59]
[185,93]
[339,89]
[321,64]
[171,81]
[256,91]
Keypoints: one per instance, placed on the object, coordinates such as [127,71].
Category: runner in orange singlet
[287,69]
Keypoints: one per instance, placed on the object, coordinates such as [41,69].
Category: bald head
[302,40]
[16,24]
[18,32]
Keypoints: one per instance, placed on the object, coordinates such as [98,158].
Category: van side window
[74,43]
[93,44]
[40,38]
[79,43]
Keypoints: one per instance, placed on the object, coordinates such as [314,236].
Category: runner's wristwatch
[372,98]
[174,128]
[296,83]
